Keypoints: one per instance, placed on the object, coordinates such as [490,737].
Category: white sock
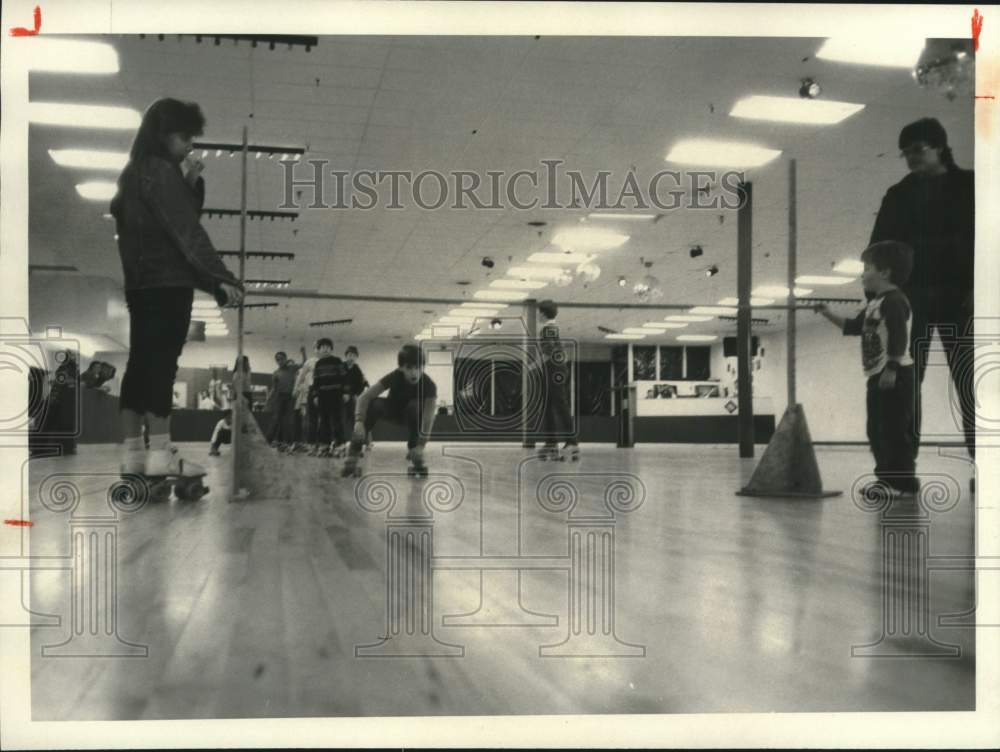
[159,441]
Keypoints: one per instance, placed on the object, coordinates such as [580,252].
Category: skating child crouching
[411,401]
[884,328]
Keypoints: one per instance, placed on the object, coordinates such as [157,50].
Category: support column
[744,259]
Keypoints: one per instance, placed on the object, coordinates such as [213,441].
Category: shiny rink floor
[647,586]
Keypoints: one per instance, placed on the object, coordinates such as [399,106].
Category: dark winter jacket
[936,216]
[160,238]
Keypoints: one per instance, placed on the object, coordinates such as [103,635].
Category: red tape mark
[985,96]
[20,31]
[19,523]
[977,28]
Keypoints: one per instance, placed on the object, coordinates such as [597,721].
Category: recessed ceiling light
[708,153]
[777,291]
[713,311]
[794,110]
[689,319]
[624,336]
[895,50]
[589,239]
[509,296]
[83,115]
[613,216]
[821,279]
[849,266]
[86,159]
[697,337]
[517,284]
[97,190]
[537,272]
[70,56]
[560,258]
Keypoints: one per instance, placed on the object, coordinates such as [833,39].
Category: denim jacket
[160,238]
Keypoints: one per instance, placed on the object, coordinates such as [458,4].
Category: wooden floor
[720,602]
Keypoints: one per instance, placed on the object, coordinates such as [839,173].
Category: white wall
[831,386]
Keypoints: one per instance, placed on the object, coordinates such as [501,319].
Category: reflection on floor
[632,582]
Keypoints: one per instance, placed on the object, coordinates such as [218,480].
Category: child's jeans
[890,430]
[381,409]
[331,417]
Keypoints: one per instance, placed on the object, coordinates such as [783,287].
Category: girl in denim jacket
[166,255]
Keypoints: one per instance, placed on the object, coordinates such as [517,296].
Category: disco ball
[947,66]
[565,279]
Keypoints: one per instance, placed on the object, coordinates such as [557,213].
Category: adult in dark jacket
[933,210]
[166,255]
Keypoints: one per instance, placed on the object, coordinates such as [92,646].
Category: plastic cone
[788,467]
[258,466]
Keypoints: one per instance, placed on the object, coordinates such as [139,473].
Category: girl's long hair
[163,117]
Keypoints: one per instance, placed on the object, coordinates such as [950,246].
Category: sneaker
[166,462]
[213,452]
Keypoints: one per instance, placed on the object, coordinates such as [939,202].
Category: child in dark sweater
[884,328]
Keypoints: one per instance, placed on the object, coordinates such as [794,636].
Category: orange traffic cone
[788,467]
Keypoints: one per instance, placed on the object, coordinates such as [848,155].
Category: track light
[622,281]
[809,89]
[496,324]
[696,251]
[711,271]
[488,262]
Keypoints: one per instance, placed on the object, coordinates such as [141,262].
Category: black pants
[945,312]
[283,405]
[556,420]
[406,415]
[158,326]
[331,417]
[890,434]
[225,436]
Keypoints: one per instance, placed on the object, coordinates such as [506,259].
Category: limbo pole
[744,377]
[793,240]
[239,414]
[530,337]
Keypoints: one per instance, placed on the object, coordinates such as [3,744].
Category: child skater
[884,328]
[166,255]
[411,401]
[556,420]
[223,433]
[328,388]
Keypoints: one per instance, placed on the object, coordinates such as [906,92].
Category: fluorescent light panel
[509,296]
[708,153]
[97,190]
[821,279]
[686,318]
[517,284]
[90,160]
[70,56]
[589,239]
[794,110]
[83,115]
[560,258]
[713,311]
[613,216]
[663,325]
[893,50]
[492,307]
[777,291]
[624,336]
[697,337]
[849,266]
[536,272]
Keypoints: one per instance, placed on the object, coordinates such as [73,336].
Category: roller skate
[416,468]
[339,451]
[352,466]
[574,452]
[164,471]
[550,452]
